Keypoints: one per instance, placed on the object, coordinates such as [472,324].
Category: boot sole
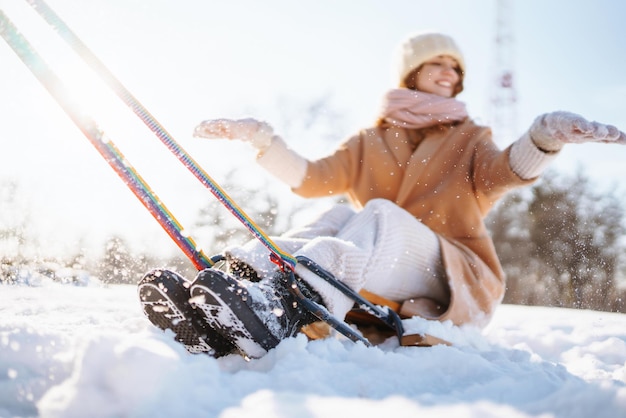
[223,301]
[164,301]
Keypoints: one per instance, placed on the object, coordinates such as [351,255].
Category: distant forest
[561,243]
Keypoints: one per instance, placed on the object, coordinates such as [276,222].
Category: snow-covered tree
[560,243]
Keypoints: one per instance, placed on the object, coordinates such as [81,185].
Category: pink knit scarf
[415,109]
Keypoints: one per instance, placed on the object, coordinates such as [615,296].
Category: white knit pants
[382,249]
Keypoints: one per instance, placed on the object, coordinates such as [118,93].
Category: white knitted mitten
[258,134]
[274,155]
[552,130]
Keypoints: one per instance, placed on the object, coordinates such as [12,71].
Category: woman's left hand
[552,130]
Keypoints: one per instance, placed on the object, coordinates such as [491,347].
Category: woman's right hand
[258,134]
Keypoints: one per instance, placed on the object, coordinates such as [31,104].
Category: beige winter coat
[449,182]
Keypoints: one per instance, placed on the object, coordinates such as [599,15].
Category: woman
[421,181]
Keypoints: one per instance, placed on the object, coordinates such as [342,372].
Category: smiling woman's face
[439,76]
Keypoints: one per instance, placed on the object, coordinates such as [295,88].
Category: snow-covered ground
[70,351]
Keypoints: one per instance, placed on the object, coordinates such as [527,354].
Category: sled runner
[160,291]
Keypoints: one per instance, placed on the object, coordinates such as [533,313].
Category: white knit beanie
[422,47]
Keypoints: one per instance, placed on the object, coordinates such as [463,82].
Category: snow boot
[164,297]
[255,317]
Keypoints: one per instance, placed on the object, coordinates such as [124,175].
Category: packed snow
[88,351]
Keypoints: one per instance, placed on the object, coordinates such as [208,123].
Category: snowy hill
[69,351]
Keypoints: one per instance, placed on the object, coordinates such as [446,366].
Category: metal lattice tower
[504,97]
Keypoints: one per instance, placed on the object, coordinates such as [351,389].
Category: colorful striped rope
[98,139]
[278,256]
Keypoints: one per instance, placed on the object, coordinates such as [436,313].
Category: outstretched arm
[534,151]
[274,155]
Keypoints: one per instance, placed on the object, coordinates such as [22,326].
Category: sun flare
[87,92]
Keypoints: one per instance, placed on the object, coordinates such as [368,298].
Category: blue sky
[192,60]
